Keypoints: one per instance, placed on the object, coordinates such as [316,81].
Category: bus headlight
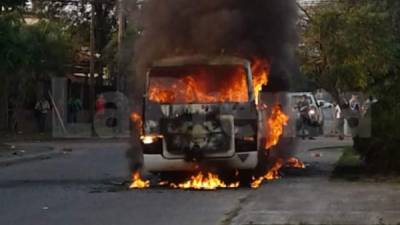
[149,139]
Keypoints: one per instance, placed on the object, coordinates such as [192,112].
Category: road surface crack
[234,212]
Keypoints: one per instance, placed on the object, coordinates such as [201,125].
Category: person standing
[303,107]
[42,109]
[354,116]
[355,103]
[100,105]
[74,107]
[339,122]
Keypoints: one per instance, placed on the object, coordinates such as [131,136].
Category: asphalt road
[83,187]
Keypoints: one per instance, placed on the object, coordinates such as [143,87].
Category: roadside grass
[381,223]
[351,167]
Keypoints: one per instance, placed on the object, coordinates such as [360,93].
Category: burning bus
[205,111]
[203,107]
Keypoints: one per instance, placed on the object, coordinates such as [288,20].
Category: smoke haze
[247,28]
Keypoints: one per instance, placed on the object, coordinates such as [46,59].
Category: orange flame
[272,174]
[202,181]
[136,118]
[138,182]
[275,125]
[295,163]
[211,181]
[260,70]
[201,86]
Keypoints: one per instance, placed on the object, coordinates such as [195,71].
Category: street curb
[329,148]
[29,158]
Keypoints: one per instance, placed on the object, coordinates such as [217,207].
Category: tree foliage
[41,49]
[11,5]
[11,49]
[76,15]
[350,46]
[49,48]
[29,55]
[355,46]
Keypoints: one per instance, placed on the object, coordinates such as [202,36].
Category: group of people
[43,107]
[348,110]
[74,106]
[351,111]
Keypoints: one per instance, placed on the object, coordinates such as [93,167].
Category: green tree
[11,56]
[49,49]
[30,55]
[114,59]
[349,47]
[355,46]
[76,15]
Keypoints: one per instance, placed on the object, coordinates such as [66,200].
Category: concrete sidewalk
[320,201]
[12,153]
[311,197]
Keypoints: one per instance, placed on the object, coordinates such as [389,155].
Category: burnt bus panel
[245,128]
[174,121]
[243,111]
[210,143]
[153,149]
[212,137]
[226,133]
[244,114]
[243,145]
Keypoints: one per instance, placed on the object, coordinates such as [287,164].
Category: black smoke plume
[247,28]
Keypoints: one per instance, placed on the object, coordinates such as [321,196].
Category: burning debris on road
[272,174]
[295,163]
[211,181]
[201,181]
[138,182]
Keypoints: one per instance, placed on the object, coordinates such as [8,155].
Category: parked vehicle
[313,117]
[323,104]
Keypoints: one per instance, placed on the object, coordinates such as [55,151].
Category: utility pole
[92,66]
[121,79]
